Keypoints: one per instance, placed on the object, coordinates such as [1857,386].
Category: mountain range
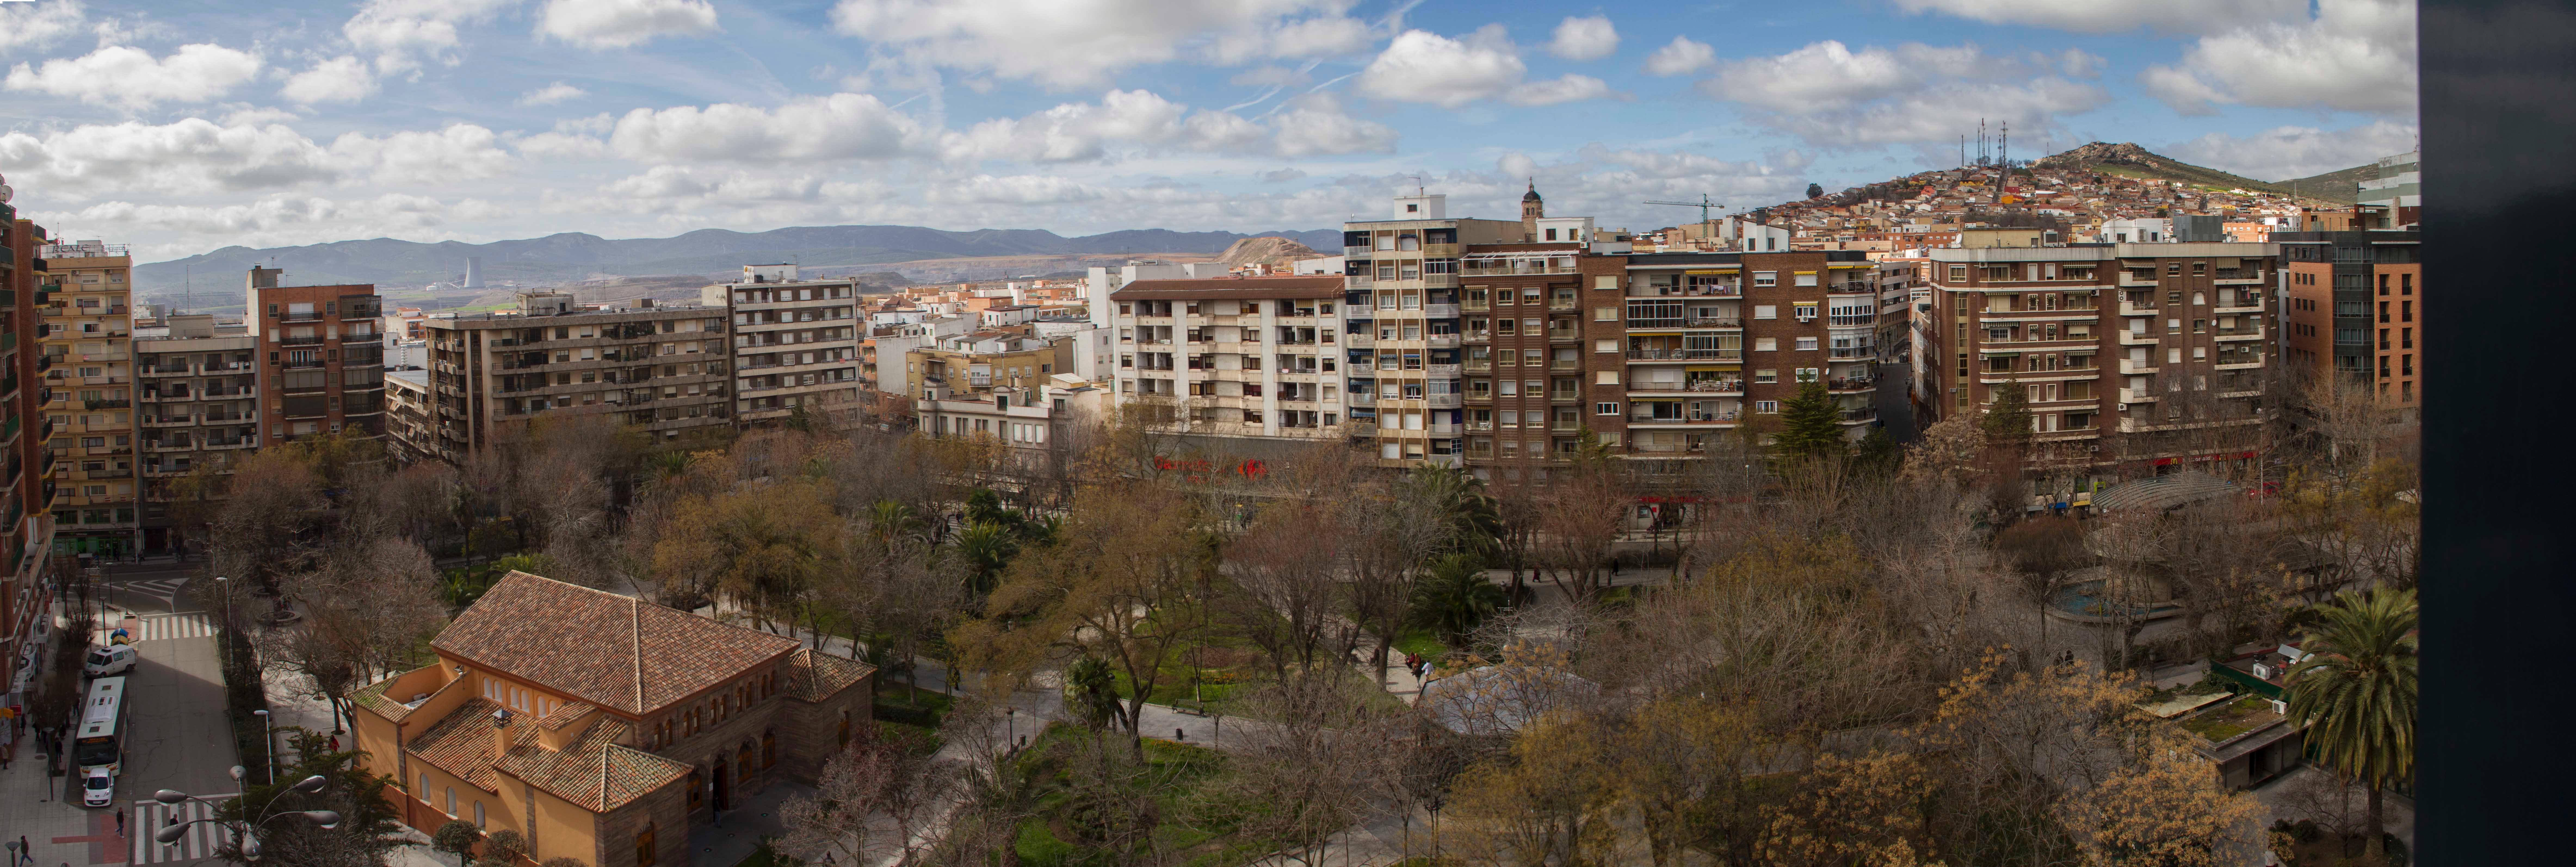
[572,256]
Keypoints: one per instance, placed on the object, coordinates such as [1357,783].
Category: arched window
[644,846]
[697,789]
[423,792]
[742,759]
[451,802]
[768,749]
[478,814]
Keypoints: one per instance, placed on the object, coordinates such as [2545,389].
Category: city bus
[101,742]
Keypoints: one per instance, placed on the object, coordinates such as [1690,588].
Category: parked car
[99,790]
[112,659]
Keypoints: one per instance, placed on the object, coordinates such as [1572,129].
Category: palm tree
[987,549]
[2356,692]
[1455,598]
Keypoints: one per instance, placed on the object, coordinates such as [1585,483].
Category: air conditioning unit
[2123,407]
[2092,448]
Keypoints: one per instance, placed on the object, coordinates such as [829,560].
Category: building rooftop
[618,652]
[1208,288]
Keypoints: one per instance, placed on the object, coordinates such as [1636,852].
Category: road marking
[159,627]
[200,841]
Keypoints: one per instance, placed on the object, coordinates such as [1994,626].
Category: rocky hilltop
[1266,251]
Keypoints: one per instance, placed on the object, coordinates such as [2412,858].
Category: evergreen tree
[1815,191]
[1810,425]
[1879,454]
[2008,420]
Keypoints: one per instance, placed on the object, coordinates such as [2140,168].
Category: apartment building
[985,360]
[1402,289]
[26,480]
[1525,350]
[2351,309]
[2393,197]
[2118,347]
[411,427]
[795,345]
[322,355]
[89,337]
[1708,343]
[199,409]
[660,369]
[1253,357]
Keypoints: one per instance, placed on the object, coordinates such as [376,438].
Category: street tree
[2356,691]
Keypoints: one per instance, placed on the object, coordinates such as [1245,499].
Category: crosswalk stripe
[201,840]
[158,627]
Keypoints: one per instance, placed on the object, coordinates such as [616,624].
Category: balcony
[1499,266]
[112,403]
[301,316]
[2131,280]
[1442,371]
[1360,341]
[1860,415]
[2238,333]
[2137,338]
[1685,355]
[2128,309]
[1851,353]
[1855,383]
[1712,322]
[1440,311]
[1442,401]
[1440,341]
[1704,386]
[302,340]
[2133,366]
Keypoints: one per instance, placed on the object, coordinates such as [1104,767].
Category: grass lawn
[2228,720]
[1420,641]
[1192,804]
[765,857]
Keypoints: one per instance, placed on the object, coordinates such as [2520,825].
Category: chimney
[501,731]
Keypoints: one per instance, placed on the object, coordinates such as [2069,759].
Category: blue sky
[185,128]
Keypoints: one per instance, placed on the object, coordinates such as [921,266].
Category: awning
[2226,263]
[1714,271]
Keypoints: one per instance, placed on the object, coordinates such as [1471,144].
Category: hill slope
[2132,161]
[2338,186]
[1267,251]
[573,256]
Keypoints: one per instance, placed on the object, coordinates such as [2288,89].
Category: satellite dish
[6,193]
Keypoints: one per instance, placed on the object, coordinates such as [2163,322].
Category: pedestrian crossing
[159,627]
[166,588]
[200,840]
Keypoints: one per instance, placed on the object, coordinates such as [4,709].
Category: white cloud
[402,33]
[1421,66]
[842,126]
[1584,38]
[1015,190]
[1836,98]
[1268,76]
[185,157]
[1570,88]
[1276,176]
[461,152]
[2296,151]
[676,182]
[1681,57]
[1315,125]
[1320,36]
[339,79]
[257,115]
[2117,16]
[36,24]
[622,23]
[551,94]
[274,219]
[132,78]
[1081,43]
[2356,55]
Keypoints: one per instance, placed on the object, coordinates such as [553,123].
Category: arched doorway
[724,786]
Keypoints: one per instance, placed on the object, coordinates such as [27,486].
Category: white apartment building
[795,344]
[1403,288]
[1235,356]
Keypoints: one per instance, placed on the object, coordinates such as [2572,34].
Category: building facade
[1715,342]
[411,427]
[26,478]
[322,357]
[2137,352]
[199,412]
[795,345]
[659,369]
[1402,289]
[601,727]
[1235,356]
[2351,311]
[89,336]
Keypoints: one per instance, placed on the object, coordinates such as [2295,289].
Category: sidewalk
[58,832]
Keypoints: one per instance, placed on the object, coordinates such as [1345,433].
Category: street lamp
[170,833]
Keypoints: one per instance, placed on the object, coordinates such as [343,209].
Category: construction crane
[1703,205]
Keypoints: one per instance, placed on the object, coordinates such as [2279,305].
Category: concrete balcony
[1360,341]
[1443,371]
[2129,366]
[1443,401]
[1440,311]
[2128,309]
[2134,338]
[1440,341]
[2227,334]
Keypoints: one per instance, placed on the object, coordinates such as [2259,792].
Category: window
[1605,314]
[451,790]
[1766,344]
[1613,345]
[1958,273]
[1766,407]
[1607,407]
[644,854]
[1806,344]
[768,749]
[1766,311]
[1766,278]
[1766,377]
[478,814]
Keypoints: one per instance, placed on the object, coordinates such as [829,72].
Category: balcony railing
[1685,355]
[1442,371]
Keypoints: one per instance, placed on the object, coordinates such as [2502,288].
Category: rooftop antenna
[1417,184]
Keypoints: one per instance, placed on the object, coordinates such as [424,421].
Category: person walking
[120,823]
[25,852]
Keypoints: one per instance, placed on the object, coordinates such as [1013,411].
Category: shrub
[457,838]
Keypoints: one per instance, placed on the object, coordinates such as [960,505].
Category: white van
[99,789]
[112,659]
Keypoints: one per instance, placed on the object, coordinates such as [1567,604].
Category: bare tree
[1305,774]
[869,805]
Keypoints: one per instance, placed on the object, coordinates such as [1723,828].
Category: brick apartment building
[602,727]
[2118,347]
[322,357]
[26,470]
[2352,309]
[199,390]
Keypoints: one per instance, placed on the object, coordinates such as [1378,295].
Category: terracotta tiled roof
[617,652]
[461,744]
[593,771]
[814,676]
